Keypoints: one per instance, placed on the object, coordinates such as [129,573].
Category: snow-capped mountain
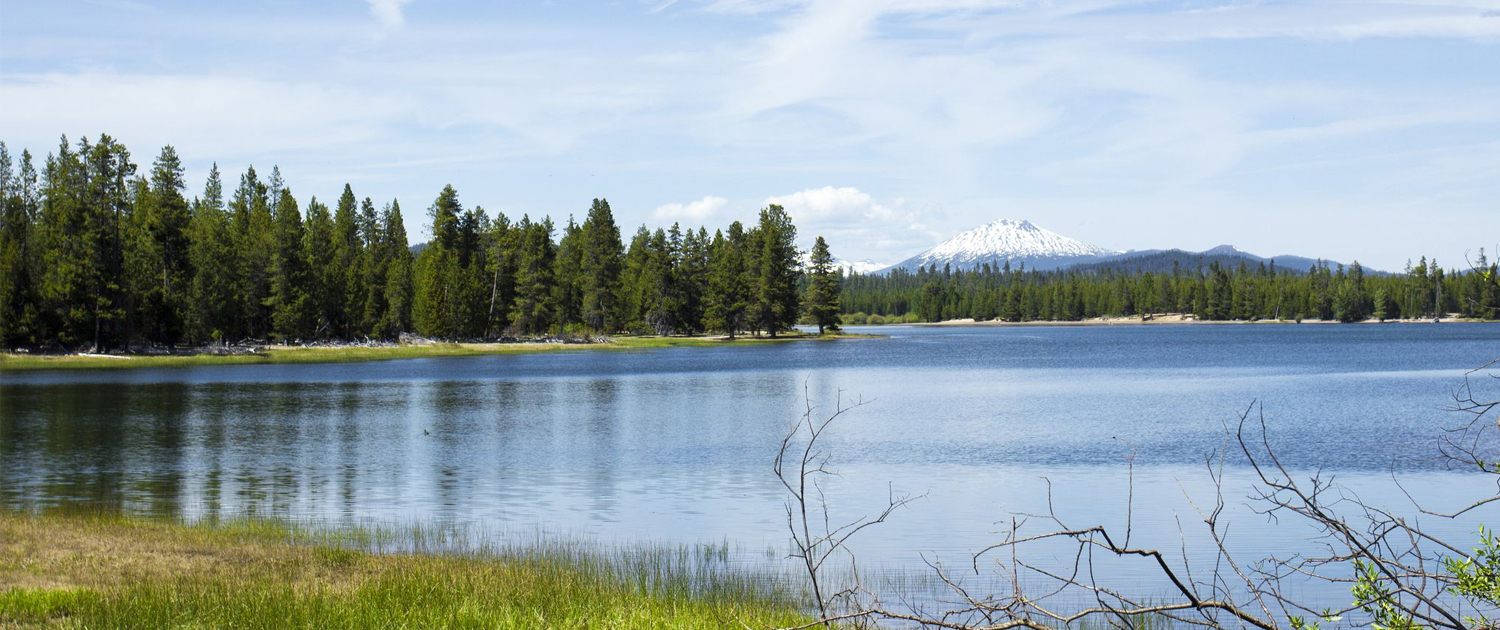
[862,267]
[1009,240]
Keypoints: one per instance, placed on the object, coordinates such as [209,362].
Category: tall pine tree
[346,278]
[162,219]
[293,311]
[728,292]
[600,269]
[18,209]
[774,308]
[254,244]
[398,275]
[326,282]
[823,288]
[534,309]
[211,312]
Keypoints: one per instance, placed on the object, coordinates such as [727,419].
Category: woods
[95,255]
[1213,292]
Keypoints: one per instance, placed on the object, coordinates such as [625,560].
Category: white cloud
[829,203]
[1076,108]
[696,212]
[206,116]
[388,12]
[856,224]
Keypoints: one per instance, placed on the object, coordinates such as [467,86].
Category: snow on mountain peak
[1008,239]
[862,267]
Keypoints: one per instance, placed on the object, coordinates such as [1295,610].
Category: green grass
[294,354]
[99,571]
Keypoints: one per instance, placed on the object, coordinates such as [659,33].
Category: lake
[676,445]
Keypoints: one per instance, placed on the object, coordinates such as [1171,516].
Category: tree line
[1214,292]
[95,255]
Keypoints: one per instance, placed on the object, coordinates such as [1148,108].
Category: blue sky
[1349,130]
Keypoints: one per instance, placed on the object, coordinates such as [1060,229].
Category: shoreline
[88,570]
[1178,320]
[273,354]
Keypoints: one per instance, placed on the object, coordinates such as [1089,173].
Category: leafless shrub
[1400,575]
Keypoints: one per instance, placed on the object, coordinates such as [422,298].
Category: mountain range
[1156,260]
[1008,240]
[1020,242]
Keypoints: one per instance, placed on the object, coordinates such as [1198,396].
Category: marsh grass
[356,354]
[105,571]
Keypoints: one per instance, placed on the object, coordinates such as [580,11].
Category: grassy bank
[354,354]
[98,571]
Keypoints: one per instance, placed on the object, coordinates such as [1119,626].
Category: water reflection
[677,445]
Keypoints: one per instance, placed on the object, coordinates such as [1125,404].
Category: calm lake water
[676,445]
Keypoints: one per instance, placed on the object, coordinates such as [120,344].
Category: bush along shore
[408,348]
[107,571]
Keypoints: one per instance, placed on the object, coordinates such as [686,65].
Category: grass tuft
[105,571]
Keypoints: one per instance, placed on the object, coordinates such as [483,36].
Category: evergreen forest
[96,255]
[1248,291]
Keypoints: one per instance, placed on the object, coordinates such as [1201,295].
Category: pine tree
[374,264]
[452,274]
[692,273]
[18,209]
[568,278]
[534,310]
[658,293]
[274,186]
[292,307]
[346,278]
[254,243]
[823,288]
[398,276]
[211,313]
[432,310]
[600,269]
[110,195]
[632,280]
[502,243]
[777,272]
[369,306]
[161,271]
[471,278]
[86,199]
[325,279]
[66,239]
[728,282]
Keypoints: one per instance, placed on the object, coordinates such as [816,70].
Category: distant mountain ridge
[862,267]
[1021,242]
[1162,261]
[1008,240]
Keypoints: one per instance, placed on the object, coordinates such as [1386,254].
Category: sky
[1362,130]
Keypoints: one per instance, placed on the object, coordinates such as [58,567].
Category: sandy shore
[358,353]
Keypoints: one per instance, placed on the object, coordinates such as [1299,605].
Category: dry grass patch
[92,571]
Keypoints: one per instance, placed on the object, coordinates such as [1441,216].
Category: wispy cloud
[702,211]
[849,215]
[389,12]
[894,122]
